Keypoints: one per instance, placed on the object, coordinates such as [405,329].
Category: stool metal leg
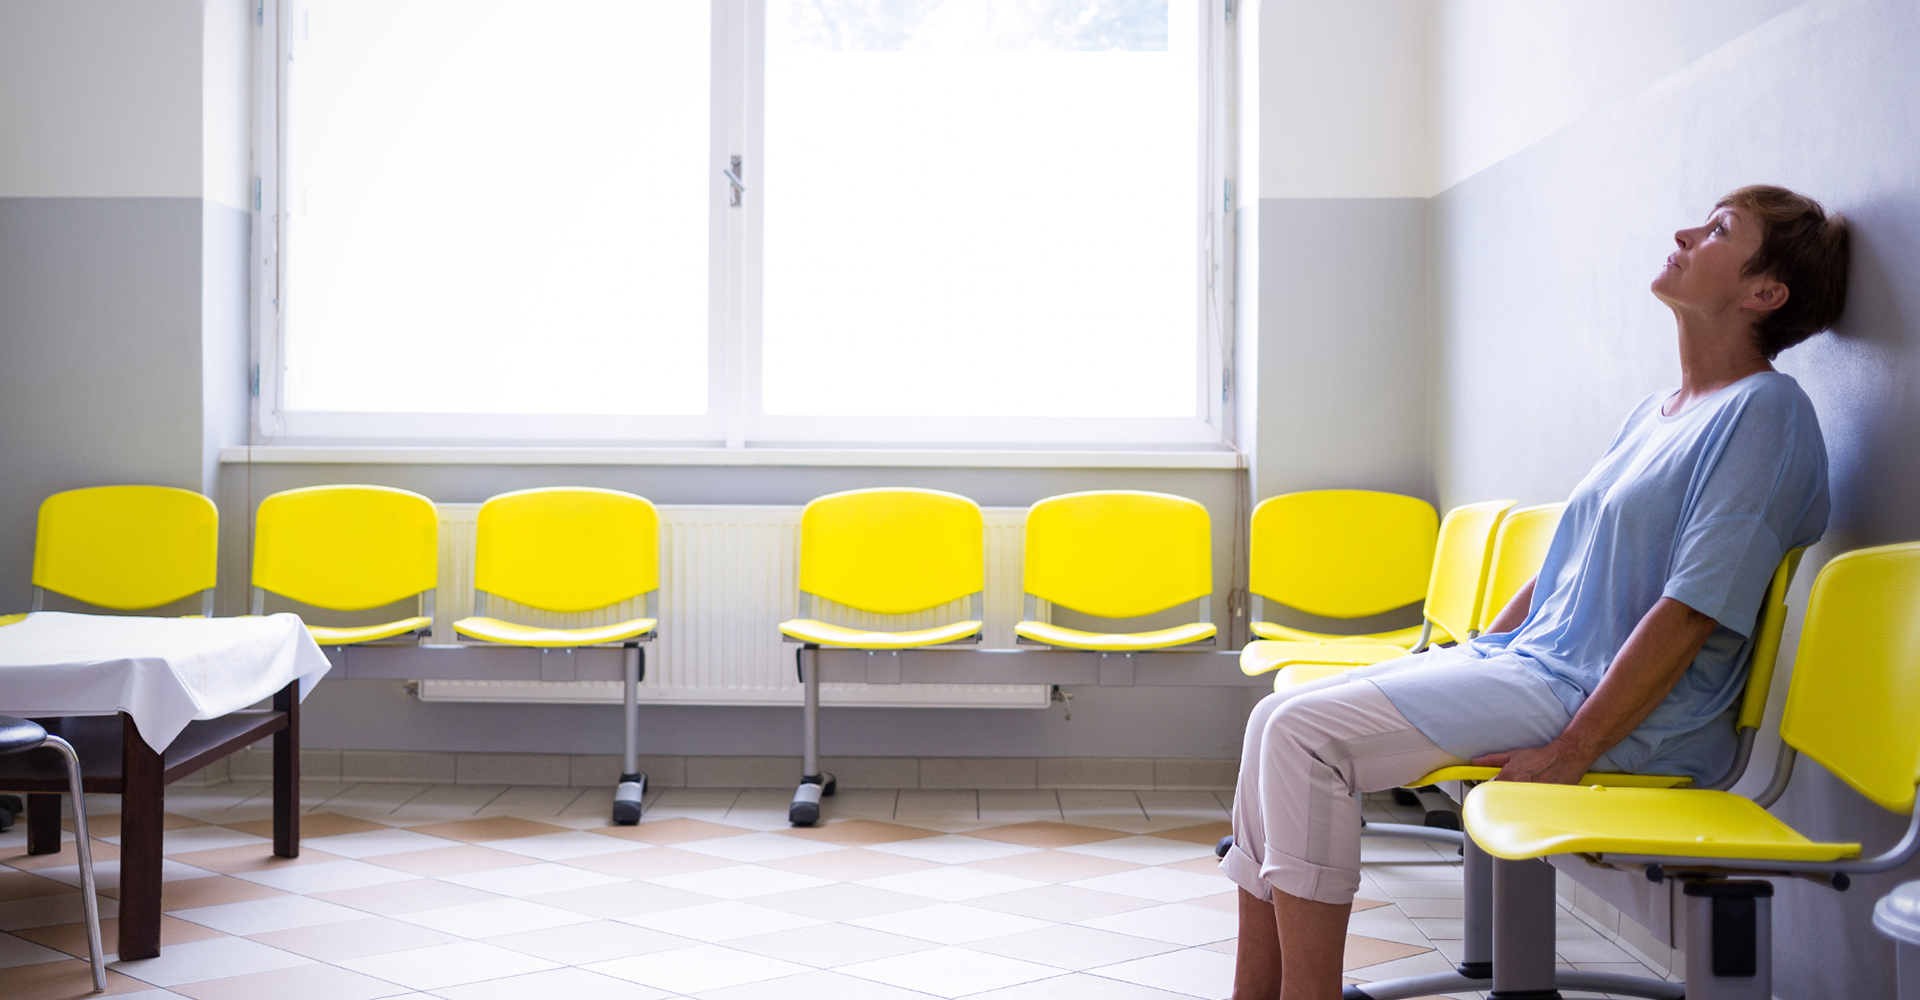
[633,784]
[814,784]
[83,846]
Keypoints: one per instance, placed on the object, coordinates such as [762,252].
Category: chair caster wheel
[10,809]
[627,797]
[805,809]
[832,785]
[1405,797]
[1226,844]
[1441,819]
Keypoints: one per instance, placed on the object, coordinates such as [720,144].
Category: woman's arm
[1660,649]
[1515,612]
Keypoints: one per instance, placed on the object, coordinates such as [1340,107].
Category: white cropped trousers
[1296,820]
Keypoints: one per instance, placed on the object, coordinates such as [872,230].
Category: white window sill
[1010,458]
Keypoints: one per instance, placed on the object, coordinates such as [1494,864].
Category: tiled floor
[468,892]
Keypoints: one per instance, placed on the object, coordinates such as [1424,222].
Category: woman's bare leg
[1313,937]
[1256,963]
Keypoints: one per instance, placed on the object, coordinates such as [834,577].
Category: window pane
[498,206]
[981,208]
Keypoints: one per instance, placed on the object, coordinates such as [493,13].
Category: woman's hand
[1553,764]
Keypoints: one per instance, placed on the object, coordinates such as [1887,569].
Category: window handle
[732,174]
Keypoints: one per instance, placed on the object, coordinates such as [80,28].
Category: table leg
[142,811]
[43,823]
[286,774]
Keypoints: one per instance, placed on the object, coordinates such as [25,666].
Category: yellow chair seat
[1115,642]
[825,634]
[1467,772]
[1404,637]
[1518,821]
[1264,655]
[10,619]
[365,633]
[495,630]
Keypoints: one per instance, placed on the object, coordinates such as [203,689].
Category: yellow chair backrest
[1519,547]
[567,548]
[1854,705]
[127,547]
[1118,553]
[1460,561]
[346,547]
[892,551]
[1343,553]
[1766,642]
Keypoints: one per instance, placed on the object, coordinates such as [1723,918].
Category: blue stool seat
[19,734]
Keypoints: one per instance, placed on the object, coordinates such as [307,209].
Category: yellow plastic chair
[1340,554]
[127,547]
[1117,554]
[887,551]
[1518,552]
[1462,557]
[348,548]
[573,549]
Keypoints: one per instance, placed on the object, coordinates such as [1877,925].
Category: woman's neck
[1715,352]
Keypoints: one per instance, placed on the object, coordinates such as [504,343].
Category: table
[145,702]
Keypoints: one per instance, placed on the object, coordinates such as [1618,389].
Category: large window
[741,221]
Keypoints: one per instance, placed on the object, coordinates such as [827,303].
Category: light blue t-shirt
[1699,507]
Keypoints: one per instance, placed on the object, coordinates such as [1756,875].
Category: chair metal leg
[632,789]
[43,824]
[1729,939]
[83,846]
[1523,931]
[805,809]
[1475,971]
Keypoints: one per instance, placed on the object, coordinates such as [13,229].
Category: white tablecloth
[165,672]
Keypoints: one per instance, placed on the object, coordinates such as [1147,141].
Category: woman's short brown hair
[1803,248]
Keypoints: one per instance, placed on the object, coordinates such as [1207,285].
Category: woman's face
[1704,273]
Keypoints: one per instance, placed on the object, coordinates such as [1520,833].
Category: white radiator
[728,577]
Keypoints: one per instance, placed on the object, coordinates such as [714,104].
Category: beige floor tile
[1205,866]
[1045,833]
[1226,902]
[677,830]
[17,857]
[109,824]
[25,885]
[450,860]
[1020,805]
[490,828]
[857,832]
[1203,833]
[318,824]
[648,863]
[72,938]
[859,803]
[346,939]
[1075,948]
[850,865]
[193,892]
[597,941]
[1365,951]
[532,801]
[621,899]
[565,984]
[405,897]
[840,901]
[305,982]
[253,858]
[1053,866]
[64,981]
[829,946]
[1064,903]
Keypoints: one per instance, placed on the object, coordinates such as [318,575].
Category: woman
[1625,653]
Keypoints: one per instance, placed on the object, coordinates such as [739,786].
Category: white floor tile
[720,921]
[446,965]
[1413,965]
[258,916]
[202,838]
[46,911]
[373,843]
[949,923]
[697,969]
[214,958]
[1175,923]
[952,849]
[1078,986]
[739,881]
[1165,885]
[530,880]
[493,918]
[1195,972]
[562,984]
[1143,850]
[951,884]
[1388,924]
[814,986]
[949,972]
[561,846]
[756,847]
[19,951]
[106,874]
[328,876]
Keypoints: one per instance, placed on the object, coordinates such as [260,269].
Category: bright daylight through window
[962,220]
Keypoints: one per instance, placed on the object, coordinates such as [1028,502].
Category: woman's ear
[1765,297]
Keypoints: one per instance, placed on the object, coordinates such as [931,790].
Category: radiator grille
[727,579]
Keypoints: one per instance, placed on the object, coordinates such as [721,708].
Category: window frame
[735,418]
